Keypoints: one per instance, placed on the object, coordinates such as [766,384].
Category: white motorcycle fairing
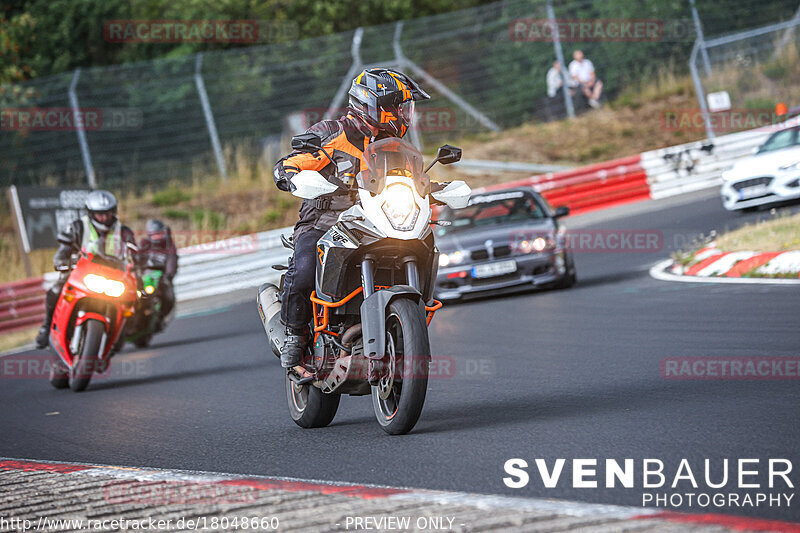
[373,210]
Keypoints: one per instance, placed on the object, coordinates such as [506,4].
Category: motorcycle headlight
[101,285]
[95,283]
[149,289]
[399,206]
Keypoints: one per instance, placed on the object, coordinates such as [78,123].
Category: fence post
[23,244]
[788,34]
[700,38]
[355,66]
[565,81]
[436,84]
[212,127]
[78,121]
[698,87]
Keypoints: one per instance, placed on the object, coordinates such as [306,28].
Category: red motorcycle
[96,301]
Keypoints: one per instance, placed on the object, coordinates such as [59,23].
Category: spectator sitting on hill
[555,81]
[582,71]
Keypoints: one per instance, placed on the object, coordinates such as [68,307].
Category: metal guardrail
[590,187]
[21,304]
[230,265]
[689,167]
[506,166]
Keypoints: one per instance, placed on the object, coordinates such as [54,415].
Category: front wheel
[400,394]
[309,407]
[59,374]
[93,331]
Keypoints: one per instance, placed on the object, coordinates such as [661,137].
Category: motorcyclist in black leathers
[381,105]
[159,240]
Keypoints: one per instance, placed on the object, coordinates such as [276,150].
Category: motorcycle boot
[294,347]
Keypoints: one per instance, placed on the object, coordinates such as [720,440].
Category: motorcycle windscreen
[392,156]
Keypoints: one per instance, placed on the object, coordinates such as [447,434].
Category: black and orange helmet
[385,98]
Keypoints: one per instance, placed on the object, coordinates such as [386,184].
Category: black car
[502,240]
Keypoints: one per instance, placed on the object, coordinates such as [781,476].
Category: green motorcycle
[148,319]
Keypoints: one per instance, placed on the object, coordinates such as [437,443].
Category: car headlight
[536,245]
[452,258]
[101,285]
[399,206]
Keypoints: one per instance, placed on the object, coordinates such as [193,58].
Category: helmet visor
[105,218]
[406,111]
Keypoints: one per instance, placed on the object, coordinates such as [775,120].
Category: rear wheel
[309,407]
[93,331]
[399,396]
[143,341]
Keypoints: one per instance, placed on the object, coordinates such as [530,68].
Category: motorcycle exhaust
[269,307]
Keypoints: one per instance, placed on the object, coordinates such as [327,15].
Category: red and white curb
[32,489]
[712,265]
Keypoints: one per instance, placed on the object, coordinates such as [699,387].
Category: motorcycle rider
[158,239]
[98,231]
[381,105]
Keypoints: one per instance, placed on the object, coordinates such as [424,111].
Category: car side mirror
[446,155]
[561,211]
[306,142]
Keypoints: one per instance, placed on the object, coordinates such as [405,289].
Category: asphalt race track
[555,374]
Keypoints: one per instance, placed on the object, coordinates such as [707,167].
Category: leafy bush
[172,195]
[208,219]
[176,214]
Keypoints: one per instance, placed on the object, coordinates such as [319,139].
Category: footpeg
[299,375]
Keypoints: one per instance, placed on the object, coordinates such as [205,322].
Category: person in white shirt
[555,81]
[582,71]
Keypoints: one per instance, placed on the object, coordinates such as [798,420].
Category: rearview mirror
[561,211]
[306,142]
[447,154]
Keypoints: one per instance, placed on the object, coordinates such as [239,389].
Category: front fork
[368,274]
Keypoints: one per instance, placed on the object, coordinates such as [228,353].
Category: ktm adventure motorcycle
[372,302]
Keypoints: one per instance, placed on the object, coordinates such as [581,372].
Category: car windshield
[779,140]
[492,210]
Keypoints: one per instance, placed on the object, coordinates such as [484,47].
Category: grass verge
[15,339]
[778,234]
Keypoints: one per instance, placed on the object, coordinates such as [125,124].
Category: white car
[770,175]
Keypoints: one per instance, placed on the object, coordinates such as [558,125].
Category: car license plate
[490,270]
[752,192]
